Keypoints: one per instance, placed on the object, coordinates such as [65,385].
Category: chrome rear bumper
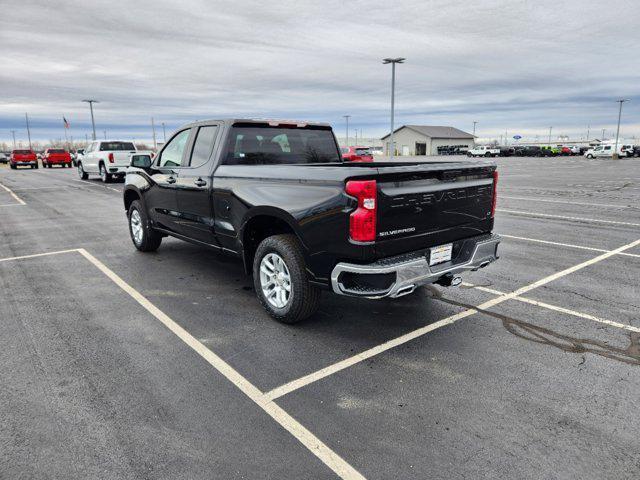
[412,270]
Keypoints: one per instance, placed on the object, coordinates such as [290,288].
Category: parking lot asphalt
[118,364]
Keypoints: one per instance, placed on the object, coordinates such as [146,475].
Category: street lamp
[347,118]
[474,128]
[13,134]
[550,128]
[393,62]
[621,101]
[93,123]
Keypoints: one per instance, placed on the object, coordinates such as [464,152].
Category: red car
[23,158]
[56,156]
[356,154]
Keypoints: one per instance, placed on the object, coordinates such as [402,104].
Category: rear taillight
[495,193]
[362,223]
[111,159]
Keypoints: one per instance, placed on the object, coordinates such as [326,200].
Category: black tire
[104,175]
[13,167]
[151,239]
[304,297]
[81,173]
[589,156]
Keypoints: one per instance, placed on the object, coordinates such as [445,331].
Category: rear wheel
[144,237]
[281,281]
[589,156]
[104,175]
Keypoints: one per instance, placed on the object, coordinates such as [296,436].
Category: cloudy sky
[519,66]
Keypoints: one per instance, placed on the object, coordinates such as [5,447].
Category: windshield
[110,146]
[56,150]
[363,151]
[265,145]
[22,152]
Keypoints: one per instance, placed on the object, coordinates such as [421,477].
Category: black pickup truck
[279,196]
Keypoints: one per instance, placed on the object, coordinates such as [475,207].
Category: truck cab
[107,158]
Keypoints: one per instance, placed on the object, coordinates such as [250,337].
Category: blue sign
[517,137]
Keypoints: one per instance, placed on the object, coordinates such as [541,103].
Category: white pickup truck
[483,151]
[107,158]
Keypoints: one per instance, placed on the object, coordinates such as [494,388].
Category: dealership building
[427,140]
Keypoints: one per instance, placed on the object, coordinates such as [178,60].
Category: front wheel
[145,238]
[589,156]
[281,281]
[81,173]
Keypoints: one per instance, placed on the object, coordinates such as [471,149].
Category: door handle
[200,182]
[171,180]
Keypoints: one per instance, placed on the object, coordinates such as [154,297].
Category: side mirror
[141,161]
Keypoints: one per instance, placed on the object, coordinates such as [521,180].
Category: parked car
[280,197]
[3,158]
[56,156]
[77,156]
[636,151]
[107,158]
[357,154]
[23,158]
[626,150]
[600,151]
[506,151]
[547,151]
[483,151]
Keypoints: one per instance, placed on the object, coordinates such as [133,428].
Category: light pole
[615,151]
[26,117]
[105,134]
[588,130]
[393,62]
[550,128]
[153,129]
[164,133]
[13,134]
[346,117]
[93,123]
[474,128]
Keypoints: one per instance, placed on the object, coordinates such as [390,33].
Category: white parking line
[556,308]
[563,217]
[295,428]
[36,255]
[533,199]
[341,365]
[17,198]
[569,245]
[85,182]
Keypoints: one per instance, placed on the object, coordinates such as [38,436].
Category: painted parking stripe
[563,217]
[555,308]
[17,198]
[569,245]
[355,359]
[36,255]
[295,428]
[545,200]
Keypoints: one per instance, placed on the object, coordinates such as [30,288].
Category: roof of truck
[274,121]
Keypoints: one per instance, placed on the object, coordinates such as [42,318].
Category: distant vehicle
[3,158]
[607,151]
[568,150]
[547,151]
[74,158]
[56,156]
[23,158]
[483,151]
[356,154]
[107,158]
[506,151]
[636,151]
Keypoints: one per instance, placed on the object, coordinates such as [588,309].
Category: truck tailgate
[431,204]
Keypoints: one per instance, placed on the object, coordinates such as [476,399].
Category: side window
[172,154]
[607,148]
[203,145]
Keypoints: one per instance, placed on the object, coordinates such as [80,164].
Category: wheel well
[256,230]
[129,197]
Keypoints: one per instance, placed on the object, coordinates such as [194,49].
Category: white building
[427,140]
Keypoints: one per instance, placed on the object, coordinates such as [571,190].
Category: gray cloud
[521,66]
